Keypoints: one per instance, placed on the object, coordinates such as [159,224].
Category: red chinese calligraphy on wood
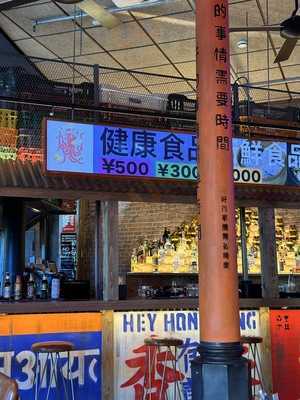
[285,336]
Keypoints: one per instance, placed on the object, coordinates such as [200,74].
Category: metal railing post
[96,71]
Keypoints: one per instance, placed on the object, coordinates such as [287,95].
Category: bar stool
[254,358]
[159,355]
[8,388]
[53,351]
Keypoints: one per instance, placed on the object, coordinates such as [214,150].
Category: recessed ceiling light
[242,44]
[95,22]
[126,3]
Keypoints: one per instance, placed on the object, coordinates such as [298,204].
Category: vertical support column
[244,243]
[268,254]
[108,355]
[53,238]
[96,72]
[85,240]
[97,92]
[98,276]
[220,372]
[110,249]
[14,228]
[43,238]
[266,349]
[37,241]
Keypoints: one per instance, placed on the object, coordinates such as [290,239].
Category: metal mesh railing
[90,93]
[268,103]
[81,84]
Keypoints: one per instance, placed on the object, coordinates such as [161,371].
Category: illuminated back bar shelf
[178,255]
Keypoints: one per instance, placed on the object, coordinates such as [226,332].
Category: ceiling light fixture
[95,22]
[126,3]
[132,3]
[242,44]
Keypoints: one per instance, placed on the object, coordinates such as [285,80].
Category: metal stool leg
[147,372]
[52,373]
[151,364]
[163,377]
[259,368]
[177,384]
[70,376]
[36,376]
[40,374]
[59,368]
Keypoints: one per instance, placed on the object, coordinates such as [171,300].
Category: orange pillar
[220,372]
[219,303]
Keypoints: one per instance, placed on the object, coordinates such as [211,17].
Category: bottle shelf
[163,273]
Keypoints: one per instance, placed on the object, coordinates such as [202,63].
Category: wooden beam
[266,353]
[53,238]
[96,273]
[85,241]
[110,249]
[37,307]
[108,377]
[268,254]
[96,195]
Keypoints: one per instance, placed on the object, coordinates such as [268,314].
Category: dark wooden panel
[268,252]
[37,307]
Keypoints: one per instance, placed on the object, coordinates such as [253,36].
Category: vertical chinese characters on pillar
[225,232]
[222,119]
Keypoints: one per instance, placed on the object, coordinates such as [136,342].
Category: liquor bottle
[25,279]
[30,288]
[44,290]
[7,287]
[18,288]
[166,235]
[155,260]
[55,288]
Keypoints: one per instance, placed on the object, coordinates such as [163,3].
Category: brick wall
[147,220]
[290,216]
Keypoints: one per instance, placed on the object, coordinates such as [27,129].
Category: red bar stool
[162,358]
[254,359]
[53,351]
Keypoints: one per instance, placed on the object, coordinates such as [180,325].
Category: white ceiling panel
[187,69]
[123,36]
[140,57]
[34,49]
[11,29]
[178,52]
[25,16]
[163,70]
[102,59]
[171,28]
[62,44]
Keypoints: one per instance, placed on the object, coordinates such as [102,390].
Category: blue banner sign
[17,360]
[144,153]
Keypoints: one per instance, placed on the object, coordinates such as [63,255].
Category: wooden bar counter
[44,307]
